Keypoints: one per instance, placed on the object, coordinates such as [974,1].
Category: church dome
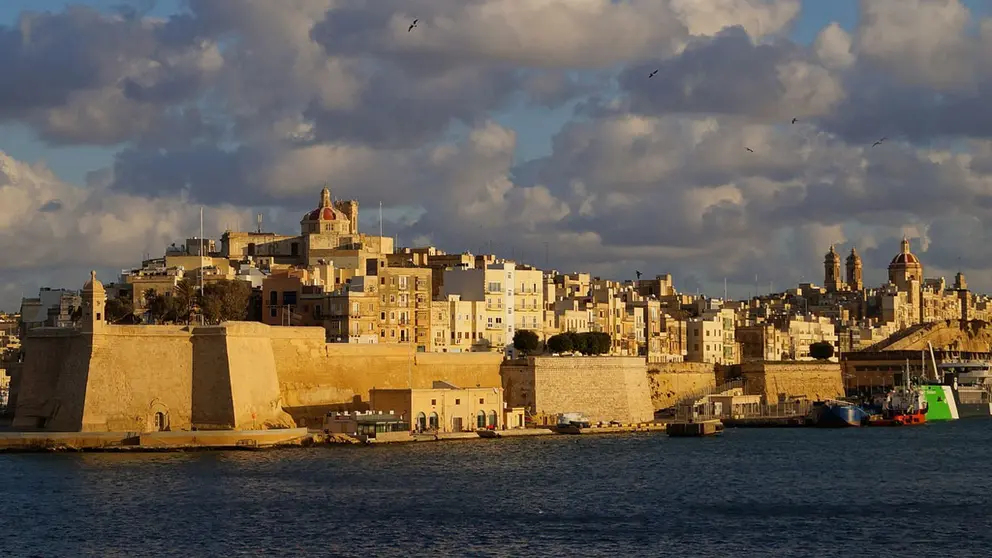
[325,211]
[905,257]
[321,214]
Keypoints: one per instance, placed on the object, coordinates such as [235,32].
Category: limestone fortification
[602,388]
[955,335]
[238,375]
[782,380]
[670,381]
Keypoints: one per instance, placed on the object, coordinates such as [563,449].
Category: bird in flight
[412,25]
[879,142]
[651,75]
[794,120]
[749,149]
[638,273]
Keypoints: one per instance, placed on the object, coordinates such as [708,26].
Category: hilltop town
[342,315]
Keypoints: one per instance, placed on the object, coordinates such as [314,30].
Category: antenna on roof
[258,221]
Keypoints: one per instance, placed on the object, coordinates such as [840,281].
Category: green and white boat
[962,389]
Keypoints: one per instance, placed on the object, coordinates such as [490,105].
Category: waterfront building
[444,407]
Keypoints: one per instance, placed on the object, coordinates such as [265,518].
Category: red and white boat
[903,406]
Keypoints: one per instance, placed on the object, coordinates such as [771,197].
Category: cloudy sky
[528,125]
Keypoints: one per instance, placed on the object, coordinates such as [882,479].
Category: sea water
[908,491]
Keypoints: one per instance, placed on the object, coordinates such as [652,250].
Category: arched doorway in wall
[480,419]
[158,417]
[159,422]
[421,422]
[492,419]
[433,422]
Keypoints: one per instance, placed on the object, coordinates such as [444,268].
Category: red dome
[905,259]
[328,214]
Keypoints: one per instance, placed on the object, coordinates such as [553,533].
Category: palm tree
[186,300]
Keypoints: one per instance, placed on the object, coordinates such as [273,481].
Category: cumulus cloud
[50,227]
[240,104]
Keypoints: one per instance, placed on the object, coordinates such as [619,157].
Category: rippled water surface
[791,492]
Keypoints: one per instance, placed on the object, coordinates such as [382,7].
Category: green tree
[561,343]
[161,308]
[821,350]
[226,300]
[580,342]
[598,343]
[526,341]
[119,309]
[186,300]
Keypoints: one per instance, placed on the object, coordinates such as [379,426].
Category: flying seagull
[749,149]
[638,273]
[651,75]
[879,142]
[794,120]
[412,25]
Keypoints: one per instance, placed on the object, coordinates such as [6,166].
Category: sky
[514,124]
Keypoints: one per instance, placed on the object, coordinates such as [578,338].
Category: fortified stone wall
[809,380]
[235,376]
[48,353]
[316,377]
[133,373]
[955,335]
[602,388]
[670,381]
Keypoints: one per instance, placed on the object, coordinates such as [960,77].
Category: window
[481,400]
[273,298]
[458,401]
[433,402]
[289,297]
[403,281]
[272,311]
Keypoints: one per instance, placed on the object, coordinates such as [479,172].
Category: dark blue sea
[922,491]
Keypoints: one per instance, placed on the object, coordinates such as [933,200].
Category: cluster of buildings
[361,289]
[10,348]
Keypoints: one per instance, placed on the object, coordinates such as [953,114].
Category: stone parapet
[601,388]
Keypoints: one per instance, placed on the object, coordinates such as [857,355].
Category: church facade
[908,298]
[330,231]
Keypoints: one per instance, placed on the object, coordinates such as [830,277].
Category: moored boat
[903,406]
[961,389]
[834,413]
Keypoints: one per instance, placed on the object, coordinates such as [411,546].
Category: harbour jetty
[153,441]
[694,429]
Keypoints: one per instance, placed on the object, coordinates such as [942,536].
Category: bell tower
[854,270]
[831,271]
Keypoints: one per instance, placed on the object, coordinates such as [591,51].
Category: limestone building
[513,297]
[328,232]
